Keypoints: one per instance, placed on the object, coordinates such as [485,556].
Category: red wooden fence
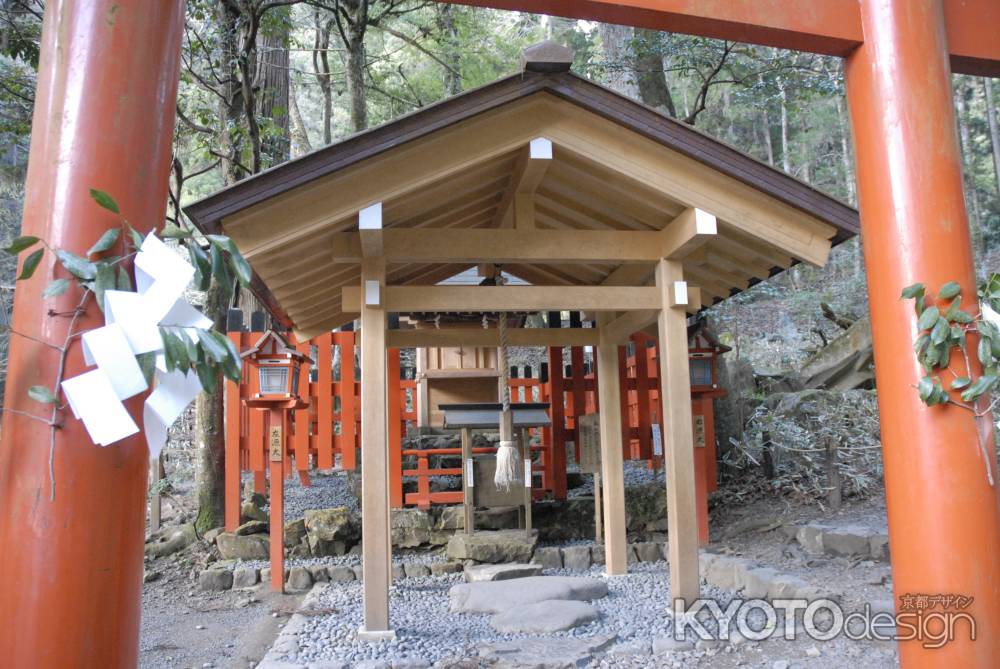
[327,433]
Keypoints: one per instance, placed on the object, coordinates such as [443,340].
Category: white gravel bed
[635,609]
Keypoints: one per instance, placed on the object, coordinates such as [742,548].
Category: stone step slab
[545,617]
[493,547]
[500,572]
[545,652]
[499,596]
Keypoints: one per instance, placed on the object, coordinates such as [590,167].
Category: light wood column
[612,465]
[423,392]
[376,549]
[678,438]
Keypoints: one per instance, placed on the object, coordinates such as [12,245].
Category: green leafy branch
[107,265]
[945,327]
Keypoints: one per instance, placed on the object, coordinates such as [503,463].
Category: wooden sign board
[590,443]
[699,431]
[274,443]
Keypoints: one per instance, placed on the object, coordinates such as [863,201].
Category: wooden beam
[675,395]
[686,233]
[370,230]
[528,172]
[509,298]
[612,467]
[511,246]
[621,328]
[478,337]
[376,547]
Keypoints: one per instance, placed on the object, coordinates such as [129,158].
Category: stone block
[299,578]
[647,551]
[500,572]
[596,555]
[810,537]
[245,577]
[494,547]
[319,574]
[416,570]
[498,596]
[545,617]
[578,558]
[398,572]
[549,557]
[340,574]
[243,547]
[441,568]
[215,580]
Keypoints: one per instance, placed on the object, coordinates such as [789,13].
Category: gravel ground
[427,630]
[328,490]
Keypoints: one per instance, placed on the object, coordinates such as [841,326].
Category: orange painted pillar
[277,418]
[104,118]
[944,522]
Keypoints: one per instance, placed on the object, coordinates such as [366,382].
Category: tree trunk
[651,75]
[210,431]
[619,66]
[451,53]
[766,131]
[991,117]
[271,81]
[300,144]
[806,173]
[975,220]
[321,67]
[845,152]
[786,159]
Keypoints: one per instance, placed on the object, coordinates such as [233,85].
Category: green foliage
[209,354]
[944,334]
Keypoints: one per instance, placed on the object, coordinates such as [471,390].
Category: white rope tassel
[507,459]
[507,470]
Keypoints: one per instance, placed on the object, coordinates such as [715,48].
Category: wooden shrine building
[596,202]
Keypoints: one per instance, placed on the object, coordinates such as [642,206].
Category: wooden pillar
[468,482]
[422,398]
[104,116]
[276,465]
[944,519]
[376,549]
[678,438]
[233,427]
[612,465]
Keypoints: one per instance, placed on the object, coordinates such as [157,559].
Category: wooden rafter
[517,205]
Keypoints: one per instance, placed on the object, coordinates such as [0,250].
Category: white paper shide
[132,322]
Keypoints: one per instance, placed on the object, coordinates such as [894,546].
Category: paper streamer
[132,327]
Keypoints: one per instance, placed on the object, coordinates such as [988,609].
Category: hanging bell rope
[507,460]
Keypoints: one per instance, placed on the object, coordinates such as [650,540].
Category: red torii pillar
[944,517]
[104,117]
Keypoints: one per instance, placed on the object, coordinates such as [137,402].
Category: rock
[341,574]
[416,570]
[149,576]
[647,551]
[440,568]
[548,557]
[265,575]
[169,540]
[243,547]
[215,579]
[757,582]
[878,545]
[299,578]
[500,572]
[319,574]
[667,644]
[545,617]
[636,648]
[245,577]
[451,518]
[780,664]
[330,531]
[499,518]
[410,663]
[497,596]
[577,558]
[630,554]
[251,527]
[358,573]
[494,547]
[726,572]
[810,537]
[250,511]
[210,536]
[643,505]
[542,652]
[848,541]
[564,520]
[410,528]
[295,532]
[398,573]
[596,555]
